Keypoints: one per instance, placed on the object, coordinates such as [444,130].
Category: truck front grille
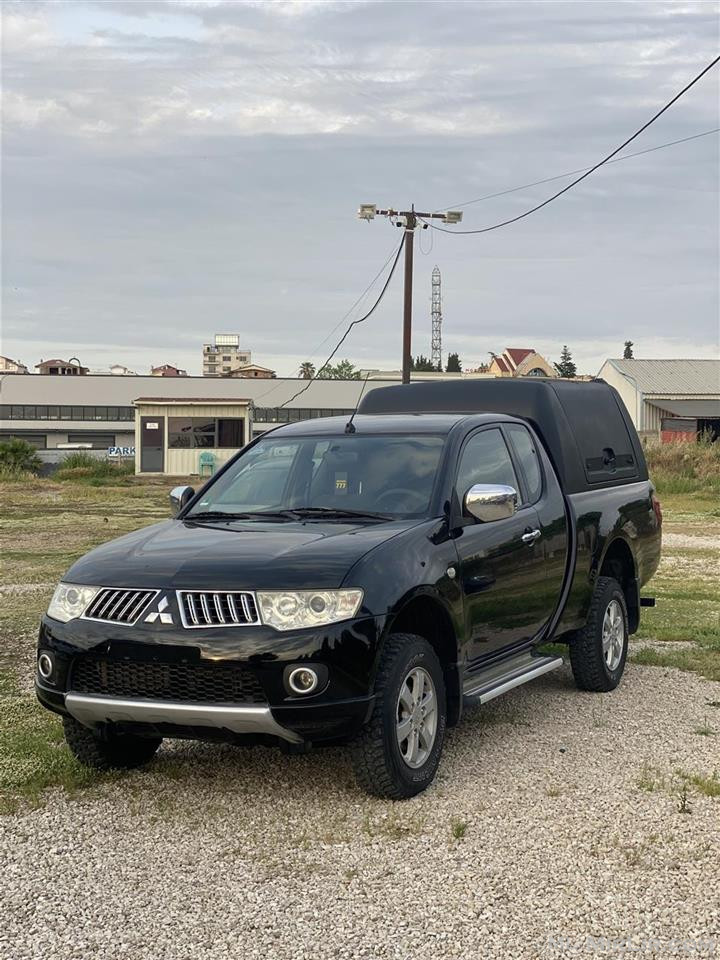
[215,608]
[119,606]
[153,680]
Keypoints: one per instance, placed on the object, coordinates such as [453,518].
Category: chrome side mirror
[490,501]
[179,498]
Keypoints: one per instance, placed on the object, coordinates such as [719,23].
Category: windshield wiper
[211,515]
[339,513]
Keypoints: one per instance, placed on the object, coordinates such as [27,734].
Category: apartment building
[225,355]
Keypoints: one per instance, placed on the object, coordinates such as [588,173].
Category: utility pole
[408,219]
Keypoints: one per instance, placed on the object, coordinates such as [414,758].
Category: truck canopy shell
[584,425]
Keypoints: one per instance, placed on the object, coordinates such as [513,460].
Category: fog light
[45,666]
[302,680]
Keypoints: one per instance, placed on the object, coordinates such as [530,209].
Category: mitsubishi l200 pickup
[363,581]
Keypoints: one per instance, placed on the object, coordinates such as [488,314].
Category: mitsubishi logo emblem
[161,613]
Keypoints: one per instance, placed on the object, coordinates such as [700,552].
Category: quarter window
[485,459]
[526,453]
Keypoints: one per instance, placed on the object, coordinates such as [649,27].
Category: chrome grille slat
[246,607]
[205,608]
[217,608]
[193,609]
[116,605]
[232,608]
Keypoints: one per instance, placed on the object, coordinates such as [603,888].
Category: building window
[37,440]
[230,432]
[20,412]
[193,432]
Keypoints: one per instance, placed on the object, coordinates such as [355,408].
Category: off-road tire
[377,760]
[587,660]
[118,751]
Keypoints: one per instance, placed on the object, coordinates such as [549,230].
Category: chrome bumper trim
[245,719]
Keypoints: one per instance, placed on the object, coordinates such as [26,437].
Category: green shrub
[18,457]
[83,466]
[685,466]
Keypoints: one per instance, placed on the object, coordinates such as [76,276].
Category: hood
[237,556]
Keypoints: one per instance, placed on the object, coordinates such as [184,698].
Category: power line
[342,319]
[539,206]
[570,173]
[353,324]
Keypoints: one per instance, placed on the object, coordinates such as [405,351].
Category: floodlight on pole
[367,211]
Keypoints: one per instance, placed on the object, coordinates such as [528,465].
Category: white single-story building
[668,399]
[187,436]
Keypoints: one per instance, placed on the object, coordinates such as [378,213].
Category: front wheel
[398,752]
[116,751]
[598,651]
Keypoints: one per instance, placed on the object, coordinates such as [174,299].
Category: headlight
[70,601]
[299,609]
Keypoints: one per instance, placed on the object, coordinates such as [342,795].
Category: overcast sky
[175,170]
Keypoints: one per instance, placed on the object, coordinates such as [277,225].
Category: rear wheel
[398,753]
[117,751]
[598,651]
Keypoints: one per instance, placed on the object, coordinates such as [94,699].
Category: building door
[152,444]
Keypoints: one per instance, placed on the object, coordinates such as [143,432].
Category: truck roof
[384,423]
[586,430]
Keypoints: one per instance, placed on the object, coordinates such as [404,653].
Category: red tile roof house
[167,370]
[521,362]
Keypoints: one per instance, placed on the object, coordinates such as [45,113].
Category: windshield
[388,475]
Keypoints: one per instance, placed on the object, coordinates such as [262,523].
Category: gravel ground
[553,831]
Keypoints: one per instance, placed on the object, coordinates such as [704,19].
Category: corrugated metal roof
[689,408]
[122,391]
[672,376]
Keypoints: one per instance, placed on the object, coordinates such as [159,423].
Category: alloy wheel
[416,717]
[613,635]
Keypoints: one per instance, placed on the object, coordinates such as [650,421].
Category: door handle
[531,536]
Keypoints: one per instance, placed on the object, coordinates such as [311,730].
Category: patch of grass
[695,658]
[458,829]
[687,467]
[705,730]
[650,779]
[85,468]
[553,791]
[34,756]
[709,786]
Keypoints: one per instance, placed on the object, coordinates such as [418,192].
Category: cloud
[173,169]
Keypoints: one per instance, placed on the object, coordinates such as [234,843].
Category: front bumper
[348,651]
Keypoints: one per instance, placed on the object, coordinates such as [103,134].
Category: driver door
[500,562]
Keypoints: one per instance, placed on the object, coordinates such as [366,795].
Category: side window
[485,459]
[524,447]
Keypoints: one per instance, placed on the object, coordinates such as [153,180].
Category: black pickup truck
[362,581]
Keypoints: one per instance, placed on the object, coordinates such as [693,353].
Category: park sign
[120,452]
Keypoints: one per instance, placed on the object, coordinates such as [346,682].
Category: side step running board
[500,677]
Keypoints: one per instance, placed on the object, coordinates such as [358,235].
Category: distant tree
[453,364]
[422,363]
[344,370]
[566,367]
[307,370]
[628,351]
